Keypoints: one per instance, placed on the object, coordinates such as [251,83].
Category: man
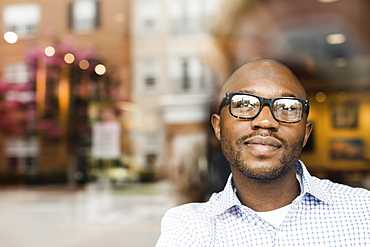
[270,199]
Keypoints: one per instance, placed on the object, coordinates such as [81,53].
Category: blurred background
[105,106]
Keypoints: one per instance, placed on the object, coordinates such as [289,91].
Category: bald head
[262,137]
[264,73]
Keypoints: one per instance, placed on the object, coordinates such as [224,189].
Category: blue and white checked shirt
[325,214]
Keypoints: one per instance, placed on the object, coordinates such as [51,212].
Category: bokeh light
[49,51]
[327,1]
[340,62]
[336,38]
[320,97]
[69,58]
[84,64]
[11,37]
[342,96]
[100,69]
[119,17]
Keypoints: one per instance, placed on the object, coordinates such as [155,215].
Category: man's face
[262,148]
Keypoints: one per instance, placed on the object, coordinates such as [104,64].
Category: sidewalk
[58,217]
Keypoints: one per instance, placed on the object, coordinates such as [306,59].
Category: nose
[265,120]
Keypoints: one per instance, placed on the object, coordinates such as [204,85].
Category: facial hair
[291,154]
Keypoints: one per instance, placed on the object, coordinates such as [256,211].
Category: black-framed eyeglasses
[248,106]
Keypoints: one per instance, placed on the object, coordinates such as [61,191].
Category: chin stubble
[286,162]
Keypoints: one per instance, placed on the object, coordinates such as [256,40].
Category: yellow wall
[323,132]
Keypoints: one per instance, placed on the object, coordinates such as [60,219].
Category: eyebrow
[284,94]
[251,91]
[278,94]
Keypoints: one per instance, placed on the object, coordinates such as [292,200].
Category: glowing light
[336,38]
[49,51]
[342,96]
[84,64]
[320,97]
[69,58]
[10,37]
[340,62]
[119,17]
[328,1]
[100,69]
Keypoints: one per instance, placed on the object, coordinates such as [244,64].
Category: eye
[287,108]
[287,105]
[243,104]
[246,104]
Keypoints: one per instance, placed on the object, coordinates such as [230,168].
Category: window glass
[16,73]
[22,19]
[189,75]
[149,70]
[148,14]
[84,15]
[187,16]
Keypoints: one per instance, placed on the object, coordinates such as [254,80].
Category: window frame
[27,19]
[95,21]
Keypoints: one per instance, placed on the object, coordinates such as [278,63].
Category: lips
[263,144]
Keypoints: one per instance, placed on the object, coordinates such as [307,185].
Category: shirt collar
[310,185]
[229,199]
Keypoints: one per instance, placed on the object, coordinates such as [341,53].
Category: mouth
[263,144]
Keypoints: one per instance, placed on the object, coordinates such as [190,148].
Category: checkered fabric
[326,214]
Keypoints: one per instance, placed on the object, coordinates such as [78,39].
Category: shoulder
[326,188]
[341,193]
[188,225]
[341,189]
[193,211]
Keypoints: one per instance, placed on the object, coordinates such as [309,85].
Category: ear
[307,133]
[215,121]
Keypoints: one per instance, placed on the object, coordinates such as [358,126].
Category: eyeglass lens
[247,106]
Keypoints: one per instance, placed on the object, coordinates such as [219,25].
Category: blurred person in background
[270,198]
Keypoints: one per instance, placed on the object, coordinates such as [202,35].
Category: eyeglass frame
[263,101]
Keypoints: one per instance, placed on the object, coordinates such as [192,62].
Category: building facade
[173,84]
[59,58]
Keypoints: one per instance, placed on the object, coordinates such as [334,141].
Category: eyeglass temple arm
[222,104]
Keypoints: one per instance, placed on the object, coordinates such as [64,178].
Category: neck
[266,195]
